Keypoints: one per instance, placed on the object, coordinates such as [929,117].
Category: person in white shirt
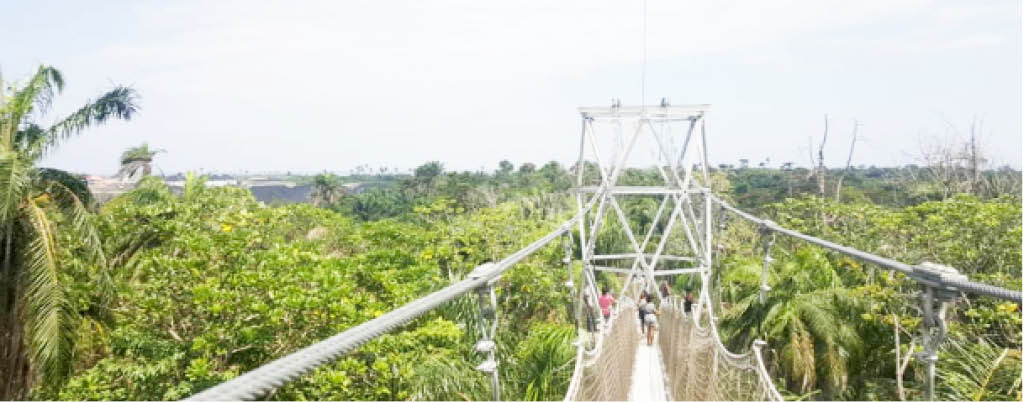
[650,321]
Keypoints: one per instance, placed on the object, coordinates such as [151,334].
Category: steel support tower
[671,140]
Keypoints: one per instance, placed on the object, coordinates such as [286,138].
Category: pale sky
[304,86]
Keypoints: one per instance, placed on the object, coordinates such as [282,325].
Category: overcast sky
[230,86]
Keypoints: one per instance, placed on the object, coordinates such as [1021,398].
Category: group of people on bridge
[646,307]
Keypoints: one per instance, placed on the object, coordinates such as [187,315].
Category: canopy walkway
[689,360]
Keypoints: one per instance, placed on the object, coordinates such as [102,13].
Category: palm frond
[85,231]
[48,318]
[29,134]
[37,93]
[977,370]
[118,103]
[439,377]
[797,353]
[543,362]
[74,184]
[14,183]
[81,220]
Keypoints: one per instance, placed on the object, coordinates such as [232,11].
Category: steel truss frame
[675,164]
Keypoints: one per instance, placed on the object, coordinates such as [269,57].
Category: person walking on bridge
[687,306]
[606,302]
[650,321]
[590,312]
[643,297]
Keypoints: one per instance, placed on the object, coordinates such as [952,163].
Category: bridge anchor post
[934,301]
[487,301]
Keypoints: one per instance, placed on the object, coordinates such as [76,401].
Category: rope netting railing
[697,365]
[604,361]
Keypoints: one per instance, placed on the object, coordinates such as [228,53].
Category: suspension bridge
[689,360]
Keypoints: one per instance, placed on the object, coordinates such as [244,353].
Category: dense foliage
[222,284]
[831,321]
[200,286]
[210,283]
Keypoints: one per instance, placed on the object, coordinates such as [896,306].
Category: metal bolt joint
[939,278]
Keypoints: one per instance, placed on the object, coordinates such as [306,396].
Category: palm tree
[543,361]
[135,158]
[424,180]
[327,190]
[36,324]
[803,319]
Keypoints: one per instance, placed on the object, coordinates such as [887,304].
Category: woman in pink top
[606,301]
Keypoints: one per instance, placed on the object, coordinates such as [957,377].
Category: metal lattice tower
[671,139]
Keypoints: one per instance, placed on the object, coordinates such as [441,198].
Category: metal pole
[566,244]
[488,312]
[930,354]
[934,300]
[767,237]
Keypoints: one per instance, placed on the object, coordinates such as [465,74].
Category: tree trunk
[7,318]
[848,163]
[901,364]
[975,161]
[14,369]
[820,159]
[898,360]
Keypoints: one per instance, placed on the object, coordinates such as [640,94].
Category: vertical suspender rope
[642,84]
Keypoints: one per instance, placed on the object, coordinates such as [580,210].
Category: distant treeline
[390,194]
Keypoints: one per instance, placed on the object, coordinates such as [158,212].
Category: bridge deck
[647,374]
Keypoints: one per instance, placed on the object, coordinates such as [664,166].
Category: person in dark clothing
[591,321]
[641,307]
[643,297]
[665,289]
[688,304]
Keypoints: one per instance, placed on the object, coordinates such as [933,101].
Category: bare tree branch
[848,162]
[819,169]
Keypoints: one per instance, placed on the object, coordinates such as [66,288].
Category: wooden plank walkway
[647,374]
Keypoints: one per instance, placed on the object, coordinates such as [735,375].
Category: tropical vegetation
[160,293]
[41,211]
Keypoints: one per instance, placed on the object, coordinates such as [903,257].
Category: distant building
[280,193]
[106,188]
